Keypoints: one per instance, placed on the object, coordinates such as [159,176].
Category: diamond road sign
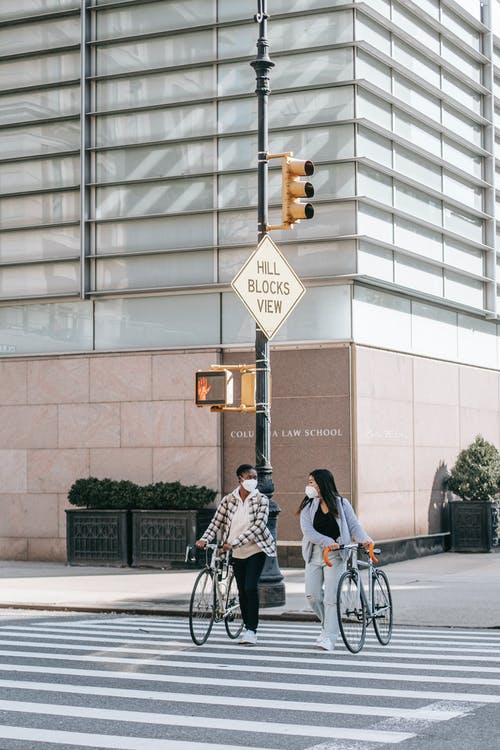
[268,287]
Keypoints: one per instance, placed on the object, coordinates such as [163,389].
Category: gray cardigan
[350,528]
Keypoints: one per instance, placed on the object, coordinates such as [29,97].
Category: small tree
[476,473]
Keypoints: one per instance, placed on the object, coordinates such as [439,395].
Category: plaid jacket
[257,531]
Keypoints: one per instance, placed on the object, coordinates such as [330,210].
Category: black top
[326,523]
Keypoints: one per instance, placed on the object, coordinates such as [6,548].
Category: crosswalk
[138,683]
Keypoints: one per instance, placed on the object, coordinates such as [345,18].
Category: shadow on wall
[438,512]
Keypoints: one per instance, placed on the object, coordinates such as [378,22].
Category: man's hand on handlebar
[201,543]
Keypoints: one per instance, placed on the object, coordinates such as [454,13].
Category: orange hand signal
[203,389]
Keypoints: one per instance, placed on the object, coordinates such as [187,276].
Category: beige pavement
[456,590]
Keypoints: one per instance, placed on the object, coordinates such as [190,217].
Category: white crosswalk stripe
[138,683]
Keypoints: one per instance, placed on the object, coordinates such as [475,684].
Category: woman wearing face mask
[241,519]
[326,519]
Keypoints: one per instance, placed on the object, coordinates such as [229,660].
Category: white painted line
[236,653]
[423,713]
[410,651]
[294,672]
[109,741]
[180,636]
[228,725]
[228,682]
[311,628]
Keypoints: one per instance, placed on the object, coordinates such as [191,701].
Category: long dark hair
[328,490]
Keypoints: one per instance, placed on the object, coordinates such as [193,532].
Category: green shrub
[108,494]
[476,473]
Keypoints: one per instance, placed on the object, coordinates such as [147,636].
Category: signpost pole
[272,589]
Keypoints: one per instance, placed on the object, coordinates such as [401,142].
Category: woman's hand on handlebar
[332,547]
[226,547]
[201,543]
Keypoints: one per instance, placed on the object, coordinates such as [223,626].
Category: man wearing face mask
[326,520]
[241,520]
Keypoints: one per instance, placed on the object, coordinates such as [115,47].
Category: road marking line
[257,684]
[109,741]
[295,672]
[178,720]
[449,652]
[423,713]
[307,657]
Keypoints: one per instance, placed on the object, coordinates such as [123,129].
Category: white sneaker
[320,637]
[249,638]
[324,643]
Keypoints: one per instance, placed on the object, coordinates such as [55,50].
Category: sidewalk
[447,589]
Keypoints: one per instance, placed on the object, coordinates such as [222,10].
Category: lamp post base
[271,594]
[271,584]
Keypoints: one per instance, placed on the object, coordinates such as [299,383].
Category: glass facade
[128,170]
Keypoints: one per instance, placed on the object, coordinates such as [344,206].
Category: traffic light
[248,390]
[213,388]
[294,188]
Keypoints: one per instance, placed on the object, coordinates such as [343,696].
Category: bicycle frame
[213,598]
[358,607]
[354,563]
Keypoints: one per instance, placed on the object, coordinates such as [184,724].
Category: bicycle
[214,597]
[355,609]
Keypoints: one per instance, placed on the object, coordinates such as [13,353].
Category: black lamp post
[272,588]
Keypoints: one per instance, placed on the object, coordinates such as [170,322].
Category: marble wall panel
[60,380]
[387,515]
[121,378]
[13,382]
[54,471]
[89,425]
[133,464]
[13,471]
[28,426]
[174,373]
[152,424]
[29,515]
[192,465]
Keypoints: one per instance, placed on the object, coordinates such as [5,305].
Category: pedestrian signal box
[214,388]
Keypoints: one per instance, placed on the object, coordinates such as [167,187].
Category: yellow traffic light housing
[248,390]
[293,188]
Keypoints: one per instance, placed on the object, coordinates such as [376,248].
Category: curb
[148,610]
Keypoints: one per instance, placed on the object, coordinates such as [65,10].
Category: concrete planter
[471,526]
[160,537]
[98,537]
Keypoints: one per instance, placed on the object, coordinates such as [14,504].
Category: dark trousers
[247,573]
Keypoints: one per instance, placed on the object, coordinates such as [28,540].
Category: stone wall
[123,416]
[413,415]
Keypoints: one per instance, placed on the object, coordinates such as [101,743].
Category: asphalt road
[138,683]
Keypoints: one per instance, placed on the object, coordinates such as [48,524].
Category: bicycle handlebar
[371,551]
[190,555]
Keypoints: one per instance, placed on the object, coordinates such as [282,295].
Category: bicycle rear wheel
[351,611]
[382,607]
[202,607]
[232,619]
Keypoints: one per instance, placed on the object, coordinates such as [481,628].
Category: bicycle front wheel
[202,607]
[232,616]
[382,607]
[351,611]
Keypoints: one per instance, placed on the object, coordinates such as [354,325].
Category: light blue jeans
[321,589]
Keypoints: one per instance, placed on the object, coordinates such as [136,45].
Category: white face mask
[249,484]
[311,491]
